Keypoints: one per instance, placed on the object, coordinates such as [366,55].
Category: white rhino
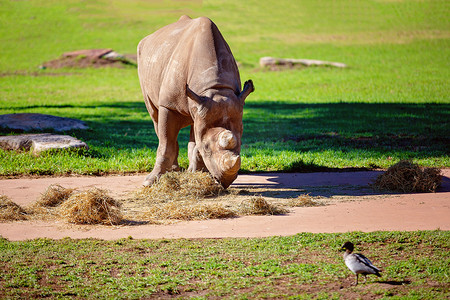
[188,76]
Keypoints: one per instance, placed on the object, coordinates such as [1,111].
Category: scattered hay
[196,196]
[46,206]
[259,206]
[176,186]
[52,197]
[182,196]
[407,177]
[10,211]
[188,211]
[304,201]
[91,207]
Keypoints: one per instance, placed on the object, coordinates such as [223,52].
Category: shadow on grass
[417,130]
[403,126]
[396,282]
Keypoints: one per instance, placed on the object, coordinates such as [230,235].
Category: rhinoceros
[189,77]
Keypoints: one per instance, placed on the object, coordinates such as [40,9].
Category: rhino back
[189,51]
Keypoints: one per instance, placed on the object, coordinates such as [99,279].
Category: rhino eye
[207,148]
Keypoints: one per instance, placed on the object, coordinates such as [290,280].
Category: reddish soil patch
[89,58]
[353,206]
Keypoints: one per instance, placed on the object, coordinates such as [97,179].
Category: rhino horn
[191,94]
[230,163]
[248,88]
[227,140]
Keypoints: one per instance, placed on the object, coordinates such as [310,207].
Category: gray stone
[33,121]
[40,142]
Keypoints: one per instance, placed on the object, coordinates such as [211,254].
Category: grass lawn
[305,266]
[391,103]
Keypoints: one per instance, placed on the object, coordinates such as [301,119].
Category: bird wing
[366,262]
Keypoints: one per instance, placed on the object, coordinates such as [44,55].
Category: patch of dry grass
[407,177]
[94,206]
[195,196]
[10,211]
[176,186]
[187,211]
[54,196]
[304,201]
[175,196]
[257,205]
[45,206]
[88,207]
[182,196]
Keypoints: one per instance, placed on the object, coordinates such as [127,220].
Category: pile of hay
[10,211]
[175,186]
[259,206]
[91,207]
[182,196]
[304,201]
[54,196]
[188,211]
[407,177]
[49,200]
[196,196]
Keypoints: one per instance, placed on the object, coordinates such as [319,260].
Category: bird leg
[356,280]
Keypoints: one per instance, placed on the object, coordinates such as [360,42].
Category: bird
[358,263]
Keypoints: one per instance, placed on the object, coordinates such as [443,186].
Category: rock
[32,121]
[291,62]
[90,53]
[40,142]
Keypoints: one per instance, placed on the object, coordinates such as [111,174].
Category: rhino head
[218,130]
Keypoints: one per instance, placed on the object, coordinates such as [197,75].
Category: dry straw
[183,196]
[407,177]
[91,207]
[176,186]
[54,196]
[259,206]
[188,211]
[10,211]
[45,206]
[196,196]
[304,201]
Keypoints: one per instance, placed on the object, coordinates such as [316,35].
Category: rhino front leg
[195,159]
[167,154]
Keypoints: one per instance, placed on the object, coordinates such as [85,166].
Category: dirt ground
[351,206]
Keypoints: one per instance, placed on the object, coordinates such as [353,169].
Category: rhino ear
[248,88]
[193,95]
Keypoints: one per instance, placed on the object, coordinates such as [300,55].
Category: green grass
[303,266]
[390,104]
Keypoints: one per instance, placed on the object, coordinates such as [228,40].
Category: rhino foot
[149,180]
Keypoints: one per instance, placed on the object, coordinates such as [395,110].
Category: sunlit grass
[413,264]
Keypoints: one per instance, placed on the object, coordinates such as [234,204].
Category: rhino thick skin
[188,76]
